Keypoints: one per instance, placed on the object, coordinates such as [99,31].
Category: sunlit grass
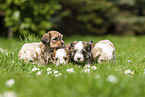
[72,80]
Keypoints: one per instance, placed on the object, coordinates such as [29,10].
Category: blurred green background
[93,17]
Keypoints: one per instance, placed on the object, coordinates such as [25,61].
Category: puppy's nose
[78,58]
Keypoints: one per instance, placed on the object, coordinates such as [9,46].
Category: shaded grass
[93,84]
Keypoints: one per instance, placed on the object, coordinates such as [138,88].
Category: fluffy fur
[104,50]
[81,52]
[60,56]
[30,52]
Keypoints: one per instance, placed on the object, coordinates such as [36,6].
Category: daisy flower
[38,73]
[132,72]
[55,71]
[9,94]
[58,74]
[34,69]
[86,70]
[70,70]
[129,61]
[49,72]
[48,69]
[94,67]
[10,82]
[13,53]
[127,71]
[87,66]
[112,79]
[0,95]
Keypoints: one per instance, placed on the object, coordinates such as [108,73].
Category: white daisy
[12,53]
[127,71]
[79,66]
[71,70]
[86,70]
[0,95]
[129,61]
[10,82]
[87,66]
[55,71]
[112,79]
[49,72]
[48,69]
[132,72]
[38,73]
[58,74]
[34,69]
[9,94]
[6,54]
[94,67]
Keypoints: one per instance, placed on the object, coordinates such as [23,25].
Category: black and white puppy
[81,52]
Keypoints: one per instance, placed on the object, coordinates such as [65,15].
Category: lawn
[108,80]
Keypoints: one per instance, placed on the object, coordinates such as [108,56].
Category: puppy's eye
[65,58]
[75,51]
[83,52]
[56,59]
[55,38]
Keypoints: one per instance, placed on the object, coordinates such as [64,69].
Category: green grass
[78,84]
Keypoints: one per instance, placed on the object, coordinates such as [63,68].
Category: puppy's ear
[46,38]
[89,46]
[90,41]
[67,46]
[72,45]
[96,52]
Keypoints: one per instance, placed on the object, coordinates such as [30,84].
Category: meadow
[124,78]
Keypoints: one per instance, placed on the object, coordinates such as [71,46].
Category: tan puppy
[60,56]
[30,52]
[104,50]
[41,52]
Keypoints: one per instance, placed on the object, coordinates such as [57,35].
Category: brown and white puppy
[51,41]
[41,52]
[81,52]
[104,50]
[60,56]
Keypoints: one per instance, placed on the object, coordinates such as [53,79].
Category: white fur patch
[79,46]
[79,57]
[60,54]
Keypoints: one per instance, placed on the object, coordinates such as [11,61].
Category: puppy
[104,50]
[50,41]
[30,52]
[81,52]
[60,56]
